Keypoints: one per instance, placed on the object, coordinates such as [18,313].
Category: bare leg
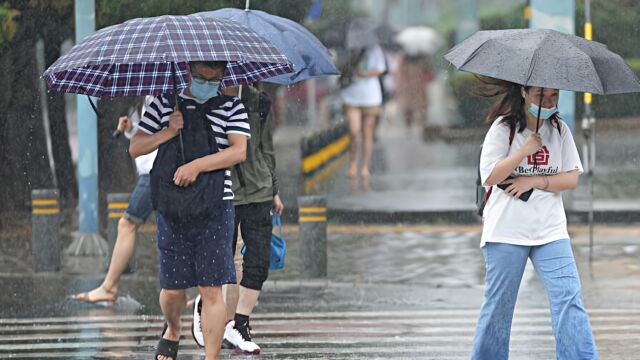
[172,303]
[123,251]
[231,291]
[408,118]
[213,320]
[354,118]
[247,301]
[367,134]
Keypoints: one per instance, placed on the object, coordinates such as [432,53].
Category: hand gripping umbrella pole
[175,97]
[535,158]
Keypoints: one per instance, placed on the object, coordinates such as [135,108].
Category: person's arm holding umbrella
[143,143]
[518,185]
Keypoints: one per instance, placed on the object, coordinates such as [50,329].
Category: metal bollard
[312,218]
[117,204]
[45,229]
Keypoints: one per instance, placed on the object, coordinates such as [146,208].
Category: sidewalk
[414,181]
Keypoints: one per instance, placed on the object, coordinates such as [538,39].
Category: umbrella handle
[535,158]
[175,96]
[99,114]
[539,109]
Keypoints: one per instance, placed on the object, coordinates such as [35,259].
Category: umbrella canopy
[420,40]
[361,33]
[545,58]
[309,56]
[135,58]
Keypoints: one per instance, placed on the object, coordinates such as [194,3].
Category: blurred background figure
[361,93]
[415,72]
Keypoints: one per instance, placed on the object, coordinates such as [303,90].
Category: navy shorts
[140,206]
[200,255]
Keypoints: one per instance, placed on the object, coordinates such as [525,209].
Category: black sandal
[167,348]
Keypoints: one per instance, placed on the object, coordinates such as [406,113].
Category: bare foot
[353,170]
[99,294]
[365,174]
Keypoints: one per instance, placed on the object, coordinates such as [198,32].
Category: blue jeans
[556,267]
[140,201]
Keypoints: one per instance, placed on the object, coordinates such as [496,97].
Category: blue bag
[278,246]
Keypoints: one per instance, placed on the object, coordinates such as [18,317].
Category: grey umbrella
[545,58]
[361,33]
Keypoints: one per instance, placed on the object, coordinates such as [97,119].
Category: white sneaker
[240,338]
[196,326]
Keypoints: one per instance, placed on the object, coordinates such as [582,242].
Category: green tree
[8,24]
[23,154]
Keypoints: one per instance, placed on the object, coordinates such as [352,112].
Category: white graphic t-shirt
[541,219]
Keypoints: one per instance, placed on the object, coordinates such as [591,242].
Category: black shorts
[256,227]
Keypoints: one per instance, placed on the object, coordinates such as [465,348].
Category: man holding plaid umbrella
[190,181]
[194,235]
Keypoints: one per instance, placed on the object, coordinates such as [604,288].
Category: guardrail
[323,154]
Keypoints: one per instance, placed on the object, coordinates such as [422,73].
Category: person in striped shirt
[198,254]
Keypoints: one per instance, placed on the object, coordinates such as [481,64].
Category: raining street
[320,179]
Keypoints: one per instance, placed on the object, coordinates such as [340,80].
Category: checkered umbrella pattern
[134,58]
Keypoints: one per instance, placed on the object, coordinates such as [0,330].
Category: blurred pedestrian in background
[414,73]
[362,98]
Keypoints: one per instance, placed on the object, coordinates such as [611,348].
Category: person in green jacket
[255,188]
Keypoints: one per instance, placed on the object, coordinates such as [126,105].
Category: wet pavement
[392,292]
[414,180]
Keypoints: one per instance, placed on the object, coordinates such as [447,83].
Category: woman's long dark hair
[510,104]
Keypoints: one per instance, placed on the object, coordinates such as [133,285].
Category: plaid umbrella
[135,58]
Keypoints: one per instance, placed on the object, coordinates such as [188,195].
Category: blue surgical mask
[545,113]
[203,90]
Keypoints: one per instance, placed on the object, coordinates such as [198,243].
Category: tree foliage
[8,24]
[23,152]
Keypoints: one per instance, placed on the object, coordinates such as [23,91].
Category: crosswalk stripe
[312,327]
[443,313]
[436,334]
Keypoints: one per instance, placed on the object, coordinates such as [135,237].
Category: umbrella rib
[532,64]
[595,69]
[473,54]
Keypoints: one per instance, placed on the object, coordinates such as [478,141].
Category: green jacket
[254,180]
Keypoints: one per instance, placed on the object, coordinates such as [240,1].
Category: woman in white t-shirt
[517,158]
[362,100]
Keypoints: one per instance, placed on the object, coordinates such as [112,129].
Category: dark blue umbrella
[309,56]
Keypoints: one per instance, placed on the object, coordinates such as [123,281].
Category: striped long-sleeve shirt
[229,118]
